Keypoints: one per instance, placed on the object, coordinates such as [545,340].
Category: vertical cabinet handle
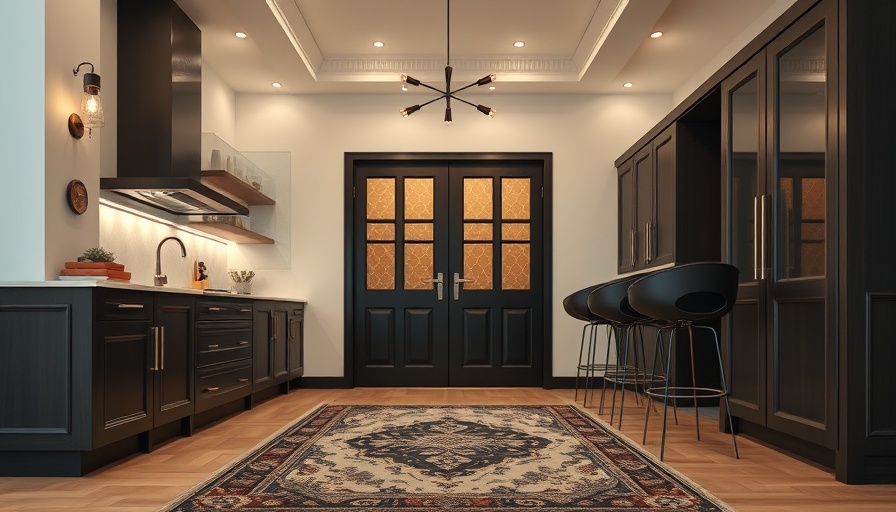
[292,329]
[154,331]
[764,235]
[439,280]
[647,253]
[756,241]
[632,235]
[162,348]
[457,281]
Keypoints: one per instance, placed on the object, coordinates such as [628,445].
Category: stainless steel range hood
[160,112]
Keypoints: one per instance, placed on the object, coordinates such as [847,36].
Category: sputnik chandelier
[448,94]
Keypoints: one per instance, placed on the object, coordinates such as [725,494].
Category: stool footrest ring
[678,392]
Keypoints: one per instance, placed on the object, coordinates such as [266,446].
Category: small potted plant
[97,255]
[242,280]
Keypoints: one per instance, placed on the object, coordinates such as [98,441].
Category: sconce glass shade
[91,104]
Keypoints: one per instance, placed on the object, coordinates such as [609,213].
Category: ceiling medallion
[448,94]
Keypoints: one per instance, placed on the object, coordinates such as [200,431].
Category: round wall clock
[77,196]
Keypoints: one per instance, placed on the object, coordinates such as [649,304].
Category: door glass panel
[515,198]
[418,266]
[381,231]
[478,198]
[381,198]
[418,198]
[515,266]
[418,232]
[380,266]
[744,140]
[801,143]
[477,231]
[478,265]
[515,232]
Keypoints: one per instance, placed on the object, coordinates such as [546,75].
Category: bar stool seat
[681,296]
[576,306]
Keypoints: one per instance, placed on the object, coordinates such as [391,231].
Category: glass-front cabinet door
[780,146]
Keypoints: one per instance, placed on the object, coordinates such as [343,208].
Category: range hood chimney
[160,112]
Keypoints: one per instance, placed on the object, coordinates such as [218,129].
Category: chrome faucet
[160,278]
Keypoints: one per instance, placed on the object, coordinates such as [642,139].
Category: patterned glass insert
[515,265]
[381,198]
[515,232]
[418,266]
[515,198]
[478,262]
[478,198]
[475,231]
[385,232]
[380,266]
[421,232]
[418,202]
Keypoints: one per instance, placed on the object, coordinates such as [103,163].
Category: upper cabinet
[668,193]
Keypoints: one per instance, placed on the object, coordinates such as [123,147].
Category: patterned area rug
[423,458]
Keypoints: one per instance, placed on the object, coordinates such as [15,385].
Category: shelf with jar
[229,172]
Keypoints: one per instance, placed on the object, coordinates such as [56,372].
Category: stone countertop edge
[124,285]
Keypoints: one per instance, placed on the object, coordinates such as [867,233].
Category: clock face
[77,196]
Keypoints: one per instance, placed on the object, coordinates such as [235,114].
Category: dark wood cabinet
[173,392]
[668,194]
[277,343]
[780,178]
[223,351]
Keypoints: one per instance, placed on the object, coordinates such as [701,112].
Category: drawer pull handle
[243,343]
[217,309]
[212,347]
[245,310]
[129,306]
[212,389]
[244,380]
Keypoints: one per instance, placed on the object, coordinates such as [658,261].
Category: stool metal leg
[724,385]
[611,333]
[694,379]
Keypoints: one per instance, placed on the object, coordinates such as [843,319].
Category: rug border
[314,409]
[240,458]
[640,449]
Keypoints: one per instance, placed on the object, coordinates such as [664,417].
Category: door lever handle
[457,281]
[439,280]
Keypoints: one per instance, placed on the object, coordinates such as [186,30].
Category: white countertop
[124,285]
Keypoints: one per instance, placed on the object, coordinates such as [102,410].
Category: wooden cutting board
[108,272]
[94,264]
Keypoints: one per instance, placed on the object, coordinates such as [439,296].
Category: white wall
[218,106]
[585,133]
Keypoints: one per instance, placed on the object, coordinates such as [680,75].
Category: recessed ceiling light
[378,44]
[519,44]
[241,35]
[656,35]
[276,85]
[627,84]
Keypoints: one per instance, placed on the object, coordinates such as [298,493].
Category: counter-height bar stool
[610,301]
[576,306]
[681,296]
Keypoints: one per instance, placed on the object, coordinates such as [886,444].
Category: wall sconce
[91,106]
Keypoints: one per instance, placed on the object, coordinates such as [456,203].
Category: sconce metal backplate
[75,126]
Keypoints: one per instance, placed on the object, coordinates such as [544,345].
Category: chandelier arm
[464,87]
[452,96]
[433,88]
[434,100]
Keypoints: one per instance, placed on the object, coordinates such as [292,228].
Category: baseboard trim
[324,383]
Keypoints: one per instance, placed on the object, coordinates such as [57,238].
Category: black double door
[447,273]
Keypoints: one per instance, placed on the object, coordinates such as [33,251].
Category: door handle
[647,253]
[755,238]
[457,281]
[155,349]
[162,349]
[439,280]
[632,237]
[764,235]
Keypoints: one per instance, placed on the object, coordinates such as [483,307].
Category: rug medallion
[341,458]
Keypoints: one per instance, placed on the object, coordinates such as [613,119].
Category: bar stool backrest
[610,301]
[576,305]
[686,293]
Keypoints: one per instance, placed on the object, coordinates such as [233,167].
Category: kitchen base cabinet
[224,352]
[278,356]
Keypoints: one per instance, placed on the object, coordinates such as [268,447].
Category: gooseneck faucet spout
[160,278]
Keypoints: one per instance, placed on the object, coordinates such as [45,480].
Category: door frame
[351,159]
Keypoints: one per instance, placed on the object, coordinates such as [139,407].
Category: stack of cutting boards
[94,270]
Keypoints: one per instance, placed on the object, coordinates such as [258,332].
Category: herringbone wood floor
[762,480]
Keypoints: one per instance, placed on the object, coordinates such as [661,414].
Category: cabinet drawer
[223,310]
[219,384]
[222,342]
[122,305]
